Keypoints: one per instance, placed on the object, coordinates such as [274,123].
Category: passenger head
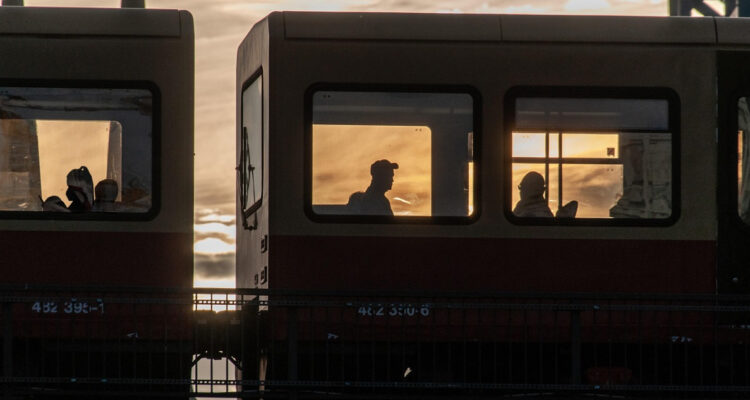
[532,185]
[106,191]
[382,174]
[80,189]
[54,204]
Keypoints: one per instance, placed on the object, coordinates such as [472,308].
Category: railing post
[575,347]
[292,337]
[7,343]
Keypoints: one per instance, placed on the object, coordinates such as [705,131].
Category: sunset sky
[220,26]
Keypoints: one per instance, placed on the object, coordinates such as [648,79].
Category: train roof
[91,21]
[512,28]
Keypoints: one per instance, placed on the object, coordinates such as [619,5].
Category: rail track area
[138,343]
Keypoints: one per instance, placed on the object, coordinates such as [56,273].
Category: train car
[508,154]
[521,153]
[110,90]
[96,177]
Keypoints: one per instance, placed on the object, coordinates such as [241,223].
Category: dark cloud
[217,196]
[218,235]
[219,266]
[208,215]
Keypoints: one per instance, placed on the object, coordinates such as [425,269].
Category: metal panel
[134,343]
[105,22]
[374,26]
[607,29]
[733,30]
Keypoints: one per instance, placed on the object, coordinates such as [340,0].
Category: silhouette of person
[54,204]
[532,203]
[373,201]
[106,194]
[80,190]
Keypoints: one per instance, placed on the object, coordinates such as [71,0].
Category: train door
[733,275]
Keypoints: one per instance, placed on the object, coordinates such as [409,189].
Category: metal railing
[282,344]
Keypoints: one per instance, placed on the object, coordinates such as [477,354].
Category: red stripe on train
[480,264]
[97,258]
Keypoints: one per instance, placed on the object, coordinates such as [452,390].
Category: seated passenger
[80,190]
[373,201]
[532,203]
[54,204]
[106,194]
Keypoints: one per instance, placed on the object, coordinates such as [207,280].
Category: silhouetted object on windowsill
[532,203]
[373,201]
[568,211]
[80,190]
[106,194]
[54,204]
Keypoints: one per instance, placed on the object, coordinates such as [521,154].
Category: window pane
[339,169]
[567,114]
[402,154]
[81,150]
[613,173]
[597,188]
[252,144]
[550,182]
[535,144]
[743,163]
[588,145]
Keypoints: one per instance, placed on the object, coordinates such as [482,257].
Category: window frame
[248,211]
[593,92]
[734,151]
[392,88]
[156,136]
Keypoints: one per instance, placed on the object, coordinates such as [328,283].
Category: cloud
[212,215]
[523,9]
[586,5]
[214,266]
[213,246]
[216,228]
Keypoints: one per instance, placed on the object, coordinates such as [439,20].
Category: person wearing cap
[373,201]
[532,203]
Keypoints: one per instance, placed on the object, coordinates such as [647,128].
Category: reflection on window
[591,158]
[66,150]
[392,154]
[743,164]
[251,150]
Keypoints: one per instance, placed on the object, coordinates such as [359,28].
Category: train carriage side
[613,114]
[453,183]
[96,194]
[110,90]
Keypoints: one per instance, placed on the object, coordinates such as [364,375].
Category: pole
[133,4]
[7,343]
[575,347]
[744,8]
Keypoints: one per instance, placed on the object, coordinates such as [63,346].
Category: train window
[75,152]
[251,150]
[743,161]
[596,158]
[403,154]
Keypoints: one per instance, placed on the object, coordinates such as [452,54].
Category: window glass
[743,163]
[75,150]
[251,156]
[591,158]
[392,153]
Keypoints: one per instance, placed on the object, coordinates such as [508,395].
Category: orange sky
[92,140]
[341,164]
